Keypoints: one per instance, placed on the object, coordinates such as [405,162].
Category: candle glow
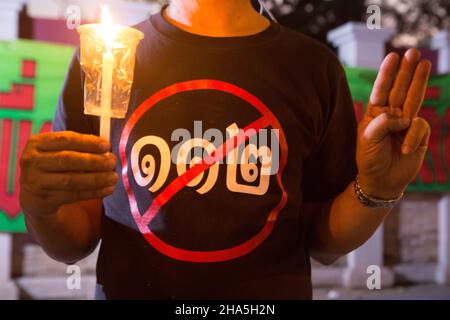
[107,57]
[107,28]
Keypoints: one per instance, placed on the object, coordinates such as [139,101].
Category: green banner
[31,76]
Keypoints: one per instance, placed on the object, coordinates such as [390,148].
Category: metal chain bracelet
[372,202]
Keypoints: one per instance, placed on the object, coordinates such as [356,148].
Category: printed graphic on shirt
[202,165]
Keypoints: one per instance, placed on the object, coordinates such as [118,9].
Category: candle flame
[107,30]
[106,16]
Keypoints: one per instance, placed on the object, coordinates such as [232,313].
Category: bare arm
[344,227]
[391,146]
[64,176]
[71,233]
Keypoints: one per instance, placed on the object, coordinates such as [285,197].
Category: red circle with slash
[143,221]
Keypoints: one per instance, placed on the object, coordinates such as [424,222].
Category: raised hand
[392,139]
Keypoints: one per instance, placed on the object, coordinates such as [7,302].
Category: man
[220,229]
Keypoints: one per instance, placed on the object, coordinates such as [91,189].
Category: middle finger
[402,82]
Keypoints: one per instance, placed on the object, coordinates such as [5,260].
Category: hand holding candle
[107,53]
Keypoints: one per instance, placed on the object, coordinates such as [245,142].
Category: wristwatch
[372,202]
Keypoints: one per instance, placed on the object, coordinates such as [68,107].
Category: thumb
[377,129]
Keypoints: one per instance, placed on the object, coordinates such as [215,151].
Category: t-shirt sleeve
[331,166]
[69,113]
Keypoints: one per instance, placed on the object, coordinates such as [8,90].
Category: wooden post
[360,260]
[441,42]
[443,266]
[9,19]
[359,46]
[8,289]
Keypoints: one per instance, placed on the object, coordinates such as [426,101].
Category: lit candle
[107,56]
[105,118]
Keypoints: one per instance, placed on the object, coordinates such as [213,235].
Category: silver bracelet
[372,202]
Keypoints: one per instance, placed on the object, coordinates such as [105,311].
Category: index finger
[74,141]
[384,80]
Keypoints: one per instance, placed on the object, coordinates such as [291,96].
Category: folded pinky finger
[417,136]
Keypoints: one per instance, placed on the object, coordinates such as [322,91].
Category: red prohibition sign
[142,221]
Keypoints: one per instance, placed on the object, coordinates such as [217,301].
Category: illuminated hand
[392,140]
[64,167]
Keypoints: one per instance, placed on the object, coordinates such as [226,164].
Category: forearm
[344,227]
[68,235]
[391,146]
[63,178]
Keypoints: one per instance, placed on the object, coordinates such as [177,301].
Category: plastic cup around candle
[92,51]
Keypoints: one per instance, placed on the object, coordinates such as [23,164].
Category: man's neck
[216,18]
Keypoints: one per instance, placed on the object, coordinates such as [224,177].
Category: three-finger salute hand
[392,139]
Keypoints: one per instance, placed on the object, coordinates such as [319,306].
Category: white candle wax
[106,98]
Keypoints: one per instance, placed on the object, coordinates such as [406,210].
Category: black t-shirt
[225,229]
